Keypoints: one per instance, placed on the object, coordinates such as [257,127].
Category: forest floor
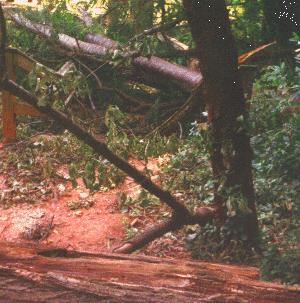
[37,211]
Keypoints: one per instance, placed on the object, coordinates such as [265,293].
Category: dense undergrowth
[274,125]
[276,143]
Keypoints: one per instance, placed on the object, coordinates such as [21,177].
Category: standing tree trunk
[230,145]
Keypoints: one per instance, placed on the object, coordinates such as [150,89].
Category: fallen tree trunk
[155,71]
[38,273]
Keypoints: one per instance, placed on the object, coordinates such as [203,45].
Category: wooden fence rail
[10,106]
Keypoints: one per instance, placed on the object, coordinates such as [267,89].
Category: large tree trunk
[43,274]
[231,152]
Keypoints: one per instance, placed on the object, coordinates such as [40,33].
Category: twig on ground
[25,140]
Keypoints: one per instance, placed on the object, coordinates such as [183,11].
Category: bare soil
[93,229]
[47,218]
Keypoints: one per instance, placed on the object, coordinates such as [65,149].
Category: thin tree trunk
[231,152]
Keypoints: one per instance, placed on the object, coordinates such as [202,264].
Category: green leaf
[32,78]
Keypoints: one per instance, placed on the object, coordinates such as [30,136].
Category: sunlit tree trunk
[230,145]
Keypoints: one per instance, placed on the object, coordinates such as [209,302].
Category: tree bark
[231,152]
[39,273]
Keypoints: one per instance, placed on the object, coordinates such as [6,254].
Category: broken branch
[98,146]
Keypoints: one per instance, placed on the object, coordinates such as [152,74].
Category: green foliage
[276,144]
[50,88]
[125,19]
[141,210]
[281,264]
[191,177]
[258,22]
[185,164]
[246,20]
[74,205]
[130,231]
[121,139]
[133,206]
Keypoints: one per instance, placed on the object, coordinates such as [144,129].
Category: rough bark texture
[43,274]
[225,102]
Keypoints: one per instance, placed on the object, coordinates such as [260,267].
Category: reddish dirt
[93,229]
[99,228]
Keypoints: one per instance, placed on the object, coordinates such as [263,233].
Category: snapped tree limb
[155,70]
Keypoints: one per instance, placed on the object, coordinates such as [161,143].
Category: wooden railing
[10,107]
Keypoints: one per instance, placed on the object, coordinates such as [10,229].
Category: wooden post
[8,100]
